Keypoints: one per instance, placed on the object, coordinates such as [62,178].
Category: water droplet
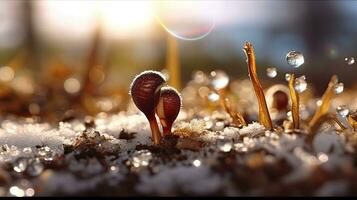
[200,77]
[350,60]
[322,157]
[295,59]
[287,77]
[35,167]
[187,20]
[342,110]
[196,163]
[213,97]
[338,88]
[20,165]
[72,85]
[300,84]
[319,102]
[218,126]
[114,169]
[22,188]
[289,115]
[45,153]
[271,72]
[219,79]
[27,150]
[224,144]
[141,158]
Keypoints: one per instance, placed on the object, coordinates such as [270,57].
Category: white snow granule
[332,188]
[198,180]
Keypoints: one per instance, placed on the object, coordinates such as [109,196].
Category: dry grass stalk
[264,116]
[326,101]
[238,119]
[322,119]
[294,102]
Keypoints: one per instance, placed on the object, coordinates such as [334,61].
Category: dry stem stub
[264,116]
[294,102]
[326,101]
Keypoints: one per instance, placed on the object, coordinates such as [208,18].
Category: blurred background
[43,40]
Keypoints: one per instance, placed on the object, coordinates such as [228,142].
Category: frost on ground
[115,157]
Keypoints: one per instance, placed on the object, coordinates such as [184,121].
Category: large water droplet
[295,59]
[342,110]
[187,20]
[350,60]
[338,88]
[213,97]
[219,79]
[300,84]
[141,158]
[271,72]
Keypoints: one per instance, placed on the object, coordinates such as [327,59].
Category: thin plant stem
[264,116]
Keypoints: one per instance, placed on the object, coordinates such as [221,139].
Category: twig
[264,116]
[294,102]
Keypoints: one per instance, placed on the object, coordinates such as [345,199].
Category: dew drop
[295,59]
[271,72]
[319,102]
[224,144]
[322,157]
[200,77]
[287,77]
[213,97]
[27,150]
[20,165]
[350,60]
[72,85]
[113,169]
[342,110]
[300,84]
[338,88]
[45,153]
[219,79]
[196,163]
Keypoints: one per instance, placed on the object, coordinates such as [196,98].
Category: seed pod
[145,92]
[168,108]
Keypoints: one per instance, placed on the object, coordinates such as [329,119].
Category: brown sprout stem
[294,102]
[155,132]
[264,116]
[326,101]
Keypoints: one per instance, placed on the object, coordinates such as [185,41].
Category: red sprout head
[168,108]
[145,92]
